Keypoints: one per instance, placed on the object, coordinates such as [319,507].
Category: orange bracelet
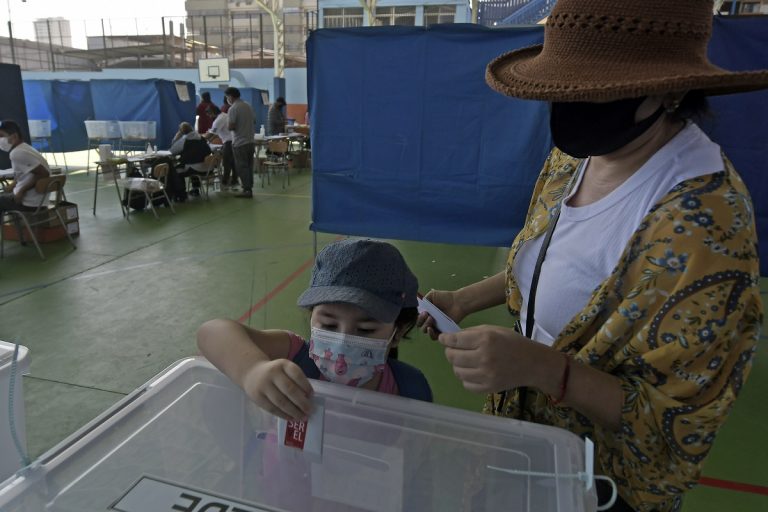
[563,381]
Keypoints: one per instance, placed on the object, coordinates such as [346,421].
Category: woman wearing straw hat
[635,276]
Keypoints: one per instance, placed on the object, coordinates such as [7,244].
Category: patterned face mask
[347,359]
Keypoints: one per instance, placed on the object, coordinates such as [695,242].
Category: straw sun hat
[606,50]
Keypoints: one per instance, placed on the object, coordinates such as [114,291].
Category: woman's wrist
[550,372]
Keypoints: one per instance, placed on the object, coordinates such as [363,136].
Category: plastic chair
[150,187]
[277,160]
[42,214]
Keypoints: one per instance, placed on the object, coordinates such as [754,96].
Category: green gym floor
[103,319]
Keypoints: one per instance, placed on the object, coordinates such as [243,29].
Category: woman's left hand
[489,359]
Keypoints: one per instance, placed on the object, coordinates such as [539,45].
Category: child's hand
[281,388]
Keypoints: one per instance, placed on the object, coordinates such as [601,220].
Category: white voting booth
[9,458]
[189,440]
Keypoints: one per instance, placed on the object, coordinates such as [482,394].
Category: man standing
[241,125]
[276,118]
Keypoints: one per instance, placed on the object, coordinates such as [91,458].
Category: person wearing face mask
[240,123]
[362,298]
[28,166]
[635,276]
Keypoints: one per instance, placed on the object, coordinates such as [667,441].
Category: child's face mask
[347,359]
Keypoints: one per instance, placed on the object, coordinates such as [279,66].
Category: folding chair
[41,214]
[150,187]
[277,159]
[211,174]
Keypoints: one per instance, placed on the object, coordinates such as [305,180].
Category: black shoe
[195,192]
[247,194]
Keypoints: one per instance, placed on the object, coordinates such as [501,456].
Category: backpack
[138,199]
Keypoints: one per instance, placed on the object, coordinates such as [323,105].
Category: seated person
[192,150]
[28,166]
[276,118]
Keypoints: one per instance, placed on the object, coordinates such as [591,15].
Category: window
[434,14]
[749,7]
[400,15]
[343,17]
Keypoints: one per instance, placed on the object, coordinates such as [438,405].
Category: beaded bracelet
[563,381]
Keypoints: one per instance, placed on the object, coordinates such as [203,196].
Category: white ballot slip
[442,321]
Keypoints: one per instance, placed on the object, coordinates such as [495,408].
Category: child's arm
[256,361]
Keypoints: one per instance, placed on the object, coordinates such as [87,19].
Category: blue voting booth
[67,104]
[410,143]
[145,100]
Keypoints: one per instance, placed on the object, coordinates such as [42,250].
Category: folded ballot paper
[442,321]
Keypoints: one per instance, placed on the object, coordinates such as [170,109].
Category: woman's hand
[448,303]
[488,359]
[279,387]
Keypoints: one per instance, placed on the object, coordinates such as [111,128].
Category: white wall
[261,78]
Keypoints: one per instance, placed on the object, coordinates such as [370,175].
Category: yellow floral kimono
[677,321]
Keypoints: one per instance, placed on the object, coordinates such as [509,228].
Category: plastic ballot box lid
[10,460]
[191,441]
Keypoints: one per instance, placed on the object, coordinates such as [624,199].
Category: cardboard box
[44,234]
[68,212]
[301,160]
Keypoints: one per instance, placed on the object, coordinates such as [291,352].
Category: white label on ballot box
[153,495]
[304,435]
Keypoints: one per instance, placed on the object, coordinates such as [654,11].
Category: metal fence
[246,39]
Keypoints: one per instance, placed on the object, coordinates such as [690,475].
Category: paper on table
[442,321]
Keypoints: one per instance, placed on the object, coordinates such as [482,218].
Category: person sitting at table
[28,166]
[192,150]
[276,118]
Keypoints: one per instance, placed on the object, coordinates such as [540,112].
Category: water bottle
[261,131]
[154,149]
[149,148]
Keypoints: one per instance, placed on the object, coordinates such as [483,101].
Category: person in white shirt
[220,133]
[28,166]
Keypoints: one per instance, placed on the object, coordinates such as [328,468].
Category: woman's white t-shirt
[24,158]
[589,240]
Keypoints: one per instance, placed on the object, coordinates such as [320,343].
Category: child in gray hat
[362,298]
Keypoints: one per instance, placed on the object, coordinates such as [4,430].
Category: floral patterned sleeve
[678,323]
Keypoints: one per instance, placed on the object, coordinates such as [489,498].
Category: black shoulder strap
[531,309]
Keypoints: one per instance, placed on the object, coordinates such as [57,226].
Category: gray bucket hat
[369,274]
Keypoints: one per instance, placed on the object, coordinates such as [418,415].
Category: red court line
[277,289]
[733,486]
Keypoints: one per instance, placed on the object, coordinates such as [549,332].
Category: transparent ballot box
[102,129]
[191,440]
[138,130]
[40,128]
[10,461]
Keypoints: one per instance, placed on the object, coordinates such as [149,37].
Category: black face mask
[593,129]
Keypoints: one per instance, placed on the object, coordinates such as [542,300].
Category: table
[113,168]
